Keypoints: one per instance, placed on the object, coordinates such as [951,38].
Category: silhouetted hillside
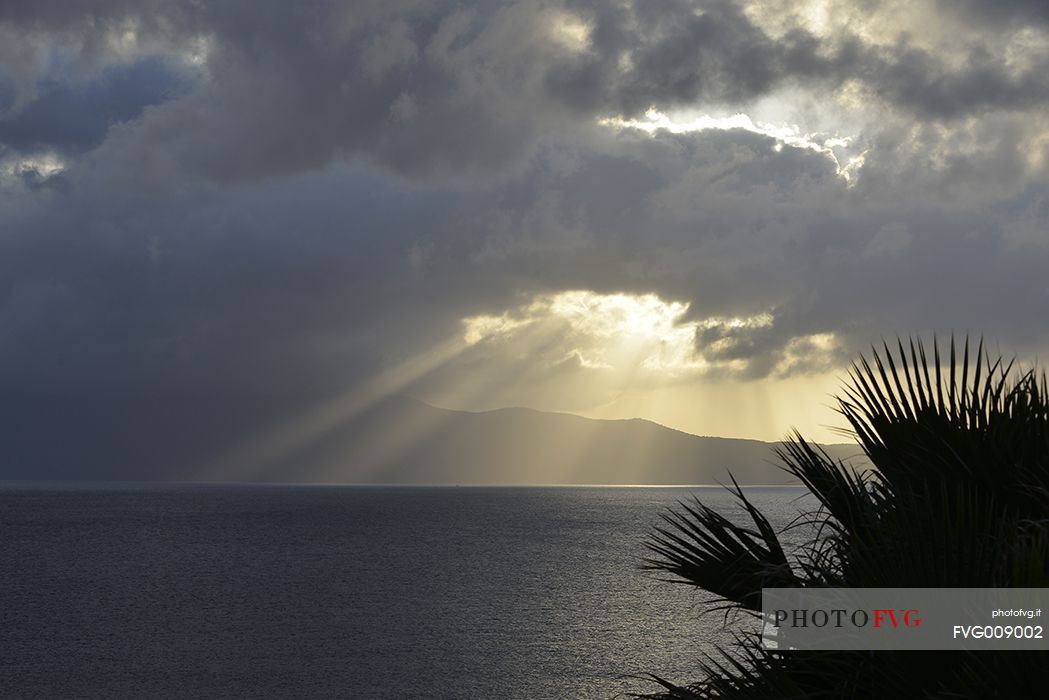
[407,441]
[398,440]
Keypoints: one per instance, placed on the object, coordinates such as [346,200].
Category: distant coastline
[397,441]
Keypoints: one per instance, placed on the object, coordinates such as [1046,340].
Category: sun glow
[568,30]
[619,332]
[603,331]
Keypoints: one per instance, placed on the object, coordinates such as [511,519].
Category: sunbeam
[255,455]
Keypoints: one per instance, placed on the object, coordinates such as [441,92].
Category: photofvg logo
[840,617]
[903,618]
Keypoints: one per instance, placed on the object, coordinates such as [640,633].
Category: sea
[276,591]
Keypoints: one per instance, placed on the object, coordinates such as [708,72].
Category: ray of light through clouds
[690,211]
[628,351]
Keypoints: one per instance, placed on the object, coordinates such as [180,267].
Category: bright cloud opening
[631,334]
[43,165]
[840,150]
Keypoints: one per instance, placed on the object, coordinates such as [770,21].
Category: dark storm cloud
[737,228]
[302,284]
[677,56]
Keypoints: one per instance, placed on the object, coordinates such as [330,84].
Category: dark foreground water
[343,592]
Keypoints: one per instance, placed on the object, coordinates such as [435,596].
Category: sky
[693,212]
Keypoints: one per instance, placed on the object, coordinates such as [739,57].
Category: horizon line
[337,484]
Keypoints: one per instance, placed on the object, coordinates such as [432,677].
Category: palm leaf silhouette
[956,494]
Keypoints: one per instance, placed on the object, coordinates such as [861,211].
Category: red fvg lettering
[880,614]
[908,618]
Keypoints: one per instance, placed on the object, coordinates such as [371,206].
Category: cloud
[73,118]
[271,284]
[286,199]
[450,90]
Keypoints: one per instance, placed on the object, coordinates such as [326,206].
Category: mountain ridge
[405,440]
[636,419]
[398,440]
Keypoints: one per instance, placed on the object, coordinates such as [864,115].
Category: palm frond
[704,548]
[957,494]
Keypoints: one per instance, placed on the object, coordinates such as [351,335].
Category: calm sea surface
[344,592]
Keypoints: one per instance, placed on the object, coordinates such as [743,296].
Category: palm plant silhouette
[957,496]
